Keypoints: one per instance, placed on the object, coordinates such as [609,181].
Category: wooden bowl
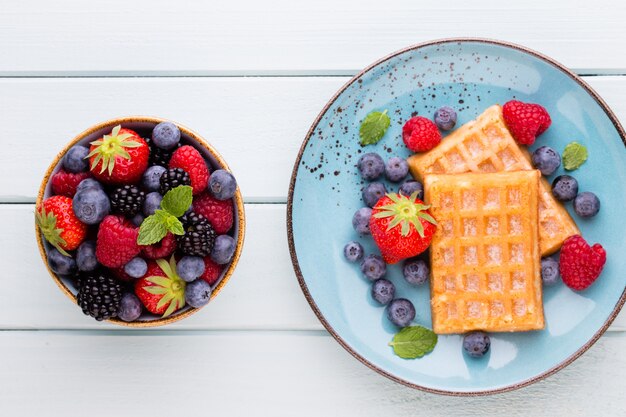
[140,124]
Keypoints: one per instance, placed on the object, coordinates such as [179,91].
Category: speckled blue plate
[469,75]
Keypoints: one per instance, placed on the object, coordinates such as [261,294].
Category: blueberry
[586,204]
[151,177]
[396,169]
[546,160]
[408,187]
[401,312]
[564,188]
[223,249]
[445,118]
[361,220]
[373,267]
[74,160]
[371,166]
[415,271]
[130,307]
[151,203]
[88,183]
[383,291]
[373,192]
[190,267]
[353,251]
[198,293]
[136,267]
[137,219]
[222,184]
[549,271]
[91,205]
[86,256]
[166,135]
[61,264]
[476,344]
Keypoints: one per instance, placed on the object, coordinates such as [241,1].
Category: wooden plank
[263,293]
[259,374]
[284,37]
[257,124]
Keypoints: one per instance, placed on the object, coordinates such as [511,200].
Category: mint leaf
[177,200]
[413,342]
[574,156]
[152,230]
[174,225]
[373,127]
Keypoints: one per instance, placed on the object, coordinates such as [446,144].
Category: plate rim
[294,257]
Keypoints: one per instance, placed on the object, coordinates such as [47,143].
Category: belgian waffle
[485,263]
[486,145]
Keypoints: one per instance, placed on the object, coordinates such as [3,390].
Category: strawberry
[162,249]
[525,121]
[59,225]
[161,290]
[189,159]
[117,241]
[218,212]
[212,271]
[420,134]
[579,263]
[401,226]
[119,158]
[65,183]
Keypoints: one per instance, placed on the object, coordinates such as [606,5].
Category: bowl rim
[199,141]
[294,257]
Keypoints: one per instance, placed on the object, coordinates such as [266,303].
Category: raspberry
[420,134]
[161,249]
[117,242]
[525,121]
[212,271]
[121,275]
[218,212]
[580,264]
[189,159]
[65,183]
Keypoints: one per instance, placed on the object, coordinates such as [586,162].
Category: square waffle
[486,145]
[485,262]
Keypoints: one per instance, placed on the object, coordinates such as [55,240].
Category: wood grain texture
[262,294]
[285,37]
[257,124]
[261,374]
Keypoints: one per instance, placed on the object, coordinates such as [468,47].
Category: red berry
[525,121]
[59,225]
[161,249]
[218,212]
[580,264]
[420,134]
[117,241]
[171,294]
[65,183]
[121,274]
[123,157]
[212,271]
[188,158]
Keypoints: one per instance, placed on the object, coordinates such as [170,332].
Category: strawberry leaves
[47,222]
[174,204]
[405,211]
[171,287]
[110,147]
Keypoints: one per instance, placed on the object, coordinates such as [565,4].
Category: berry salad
[139,224]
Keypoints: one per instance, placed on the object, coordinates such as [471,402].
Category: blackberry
[127,200]
[199,236]
[99,295]
[160,156]
[172,178]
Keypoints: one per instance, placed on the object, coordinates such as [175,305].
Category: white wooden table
[250,76]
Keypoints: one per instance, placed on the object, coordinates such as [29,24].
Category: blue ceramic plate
[469,75]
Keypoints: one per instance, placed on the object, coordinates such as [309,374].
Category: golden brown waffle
[485,262]
[485,145]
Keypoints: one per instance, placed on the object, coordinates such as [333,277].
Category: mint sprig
[413,342]
[574,155]
[373,127]
[174,204]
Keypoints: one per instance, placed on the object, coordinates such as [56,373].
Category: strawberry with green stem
[59,225]
[401,226]
[161,290]
[120,157]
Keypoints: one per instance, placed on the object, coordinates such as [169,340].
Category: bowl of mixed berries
[139,221]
